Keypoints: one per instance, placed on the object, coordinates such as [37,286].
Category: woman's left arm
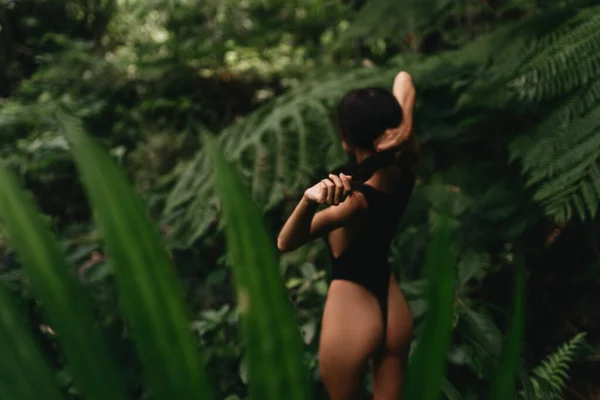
[405,93]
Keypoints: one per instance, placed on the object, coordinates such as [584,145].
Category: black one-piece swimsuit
[365,260]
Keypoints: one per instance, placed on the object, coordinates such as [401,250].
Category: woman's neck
[384,179]
[361,155]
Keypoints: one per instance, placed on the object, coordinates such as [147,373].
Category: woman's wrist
[408,125]
[307,201]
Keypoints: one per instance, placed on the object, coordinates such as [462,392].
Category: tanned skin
[352,326]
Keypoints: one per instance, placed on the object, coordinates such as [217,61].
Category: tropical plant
[506,105]
[550,378]
[280,146]
[151,302]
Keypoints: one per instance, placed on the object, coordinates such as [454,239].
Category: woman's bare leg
[352,329]
[389,369]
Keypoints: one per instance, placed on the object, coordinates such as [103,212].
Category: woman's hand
[393,137]
[333,190]
[404,91]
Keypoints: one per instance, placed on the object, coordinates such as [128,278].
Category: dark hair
[363,115]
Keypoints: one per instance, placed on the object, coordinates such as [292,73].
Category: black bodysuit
[365,260]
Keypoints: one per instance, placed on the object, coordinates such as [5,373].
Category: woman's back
[359,251]
[366,317]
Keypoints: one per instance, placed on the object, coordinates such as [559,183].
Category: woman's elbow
[403,85]
[403,77]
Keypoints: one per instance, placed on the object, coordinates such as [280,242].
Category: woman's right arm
[306,224]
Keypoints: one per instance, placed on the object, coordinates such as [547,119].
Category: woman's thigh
[351,332]
[390,364]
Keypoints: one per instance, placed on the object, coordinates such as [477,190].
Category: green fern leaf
[563,126]
[562,164]
[553,370]
[543,390]
[528,391]
[563,62]
[277,150]
[590,199]
[560,157]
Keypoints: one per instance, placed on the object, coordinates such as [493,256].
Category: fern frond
[278,148]
[543,390]
[500,55]
[549,136]
[572,178]
[568,59]
[560,158]
[554,369]
[528,391]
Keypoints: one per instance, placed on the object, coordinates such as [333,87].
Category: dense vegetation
[508,99]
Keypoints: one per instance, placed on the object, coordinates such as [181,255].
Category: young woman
[366,318]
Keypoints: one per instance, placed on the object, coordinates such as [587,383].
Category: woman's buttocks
[351,313]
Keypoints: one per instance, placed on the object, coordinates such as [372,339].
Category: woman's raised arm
[405,93]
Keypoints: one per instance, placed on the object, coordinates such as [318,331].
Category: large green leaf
[65,303]
[273,342]
[483,330]
[148,288]
[504,383]
[428,364]
[24,373]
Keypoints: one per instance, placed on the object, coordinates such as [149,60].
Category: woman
[366,317]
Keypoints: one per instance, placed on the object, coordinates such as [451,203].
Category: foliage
[560,157]
[282,144]
[273,343]
[427,366]
[278,148]
[552,373]
[29,374]
[93,369]
[455,22]
[150,301]
[260,291]
[507,100]
[158,355]
[503,386]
